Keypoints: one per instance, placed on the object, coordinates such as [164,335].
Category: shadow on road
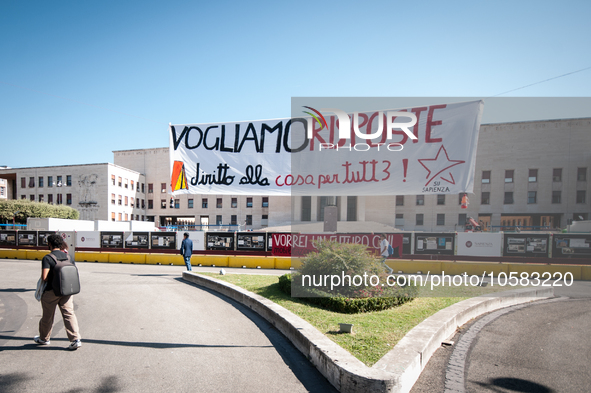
[515,385]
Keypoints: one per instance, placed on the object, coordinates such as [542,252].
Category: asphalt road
[143,330]
[540,347]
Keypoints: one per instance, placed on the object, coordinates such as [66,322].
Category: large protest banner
[423,150]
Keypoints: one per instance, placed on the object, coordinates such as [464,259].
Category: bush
[337,259]
[27,209]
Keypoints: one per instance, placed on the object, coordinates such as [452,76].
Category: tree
[22,209]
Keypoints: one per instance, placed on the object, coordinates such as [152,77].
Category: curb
[399,369]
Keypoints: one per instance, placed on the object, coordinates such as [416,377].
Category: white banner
[479,244]
[423,150]
[88,239]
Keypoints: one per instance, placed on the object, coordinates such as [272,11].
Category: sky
[79,80]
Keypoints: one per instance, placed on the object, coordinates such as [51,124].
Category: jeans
[390,271]
[188,262]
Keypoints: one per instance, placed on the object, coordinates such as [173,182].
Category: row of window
[128,201]
[50,183]
[234,219]
[176,203]
[125,217]
[126,183]
[533,175]
[532,197]
[420,199]
[59,198]
[419,219]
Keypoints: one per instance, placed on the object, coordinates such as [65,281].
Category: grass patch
[374,333]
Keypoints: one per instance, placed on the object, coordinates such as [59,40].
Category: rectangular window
[306,208]
[532,197]
[126,185]
[69,180]
[399,216]
[557,175]
[163,203]
[113,181]
[556,196]
[218,219]
[163,187]
[150,204]
[234,202]
[508,198]
[119,216]
[265,201]
[112,216]
[59,199]
[132,185]
[581,196]
[50,198]
[248,202]
[23,182]
[119,200]
[23,197]
[40,181]
[248,219]
[485,198]
[509,176]
[132,202]
[177,203]
[126,217]
[419,219]
[68,199]
[126,201]
[462,219]
[190,203]
[581,174]
[265,217]
[32,182]
[150,188]
[142,189]
[485,177]
[49,181]
[119,183]
[420,200]
[32,197]
[233,219]
[204,203]
[399,200]
[218,203]
[143,205]
[59,181]
[441,219]
[441,199]
[41,198]
[533,176]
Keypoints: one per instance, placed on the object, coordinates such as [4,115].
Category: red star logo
[439,164]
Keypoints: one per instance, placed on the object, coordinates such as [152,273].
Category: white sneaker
[38,340]
[74,345]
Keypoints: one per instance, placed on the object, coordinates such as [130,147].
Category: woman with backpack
[52,296]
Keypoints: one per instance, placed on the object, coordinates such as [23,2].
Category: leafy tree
[22,209]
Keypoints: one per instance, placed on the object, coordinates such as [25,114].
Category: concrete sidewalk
[144,330]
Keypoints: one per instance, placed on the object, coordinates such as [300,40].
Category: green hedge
[26,209]
[345,305]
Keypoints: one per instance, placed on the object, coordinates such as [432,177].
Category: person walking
[49,299]
[384,251]
[187,250]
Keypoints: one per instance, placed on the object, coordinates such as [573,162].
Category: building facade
[97,191]
[531,175]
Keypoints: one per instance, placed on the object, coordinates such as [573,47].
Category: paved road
[541,347]
[143,330]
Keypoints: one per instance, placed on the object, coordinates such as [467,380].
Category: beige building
[97,191]
[207,212]
[531,175]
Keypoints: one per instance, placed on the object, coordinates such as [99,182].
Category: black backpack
[66,281]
